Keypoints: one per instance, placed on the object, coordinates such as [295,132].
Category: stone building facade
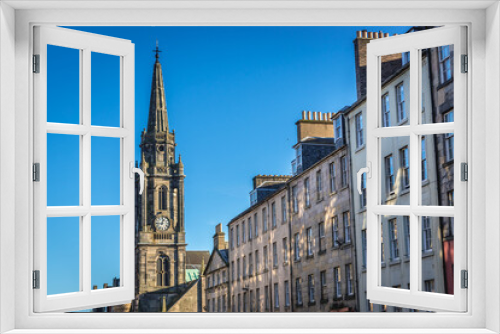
[283,253]
[395,190]
[216,275]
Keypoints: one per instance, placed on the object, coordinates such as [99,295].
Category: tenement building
[293,249]
[216,275]
[167,275]
[395,189]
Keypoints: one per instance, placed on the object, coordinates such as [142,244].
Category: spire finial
[157,51]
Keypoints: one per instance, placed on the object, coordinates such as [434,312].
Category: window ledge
[323,301]
[448,163]
[445,83]
[395,261]
[359,148]
[322,252]
[427,253]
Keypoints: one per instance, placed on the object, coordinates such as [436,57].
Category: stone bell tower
[161,247]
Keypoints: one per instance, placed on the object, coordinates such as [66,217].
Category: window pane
[63,85]
[437,172]
[63,255]
[63,170]
[437,255]
[441,62]
[395,259]
[395,90]
[105,239]
[395,170]
[105,90]
[105,171]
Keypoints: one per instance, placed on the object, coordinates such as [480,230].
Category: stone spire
[157,120]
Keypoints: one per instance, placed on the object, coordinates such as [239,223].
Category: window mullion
[85,167]
[415,170]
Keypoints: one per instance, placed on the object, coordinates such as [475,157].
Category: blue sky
[233,97]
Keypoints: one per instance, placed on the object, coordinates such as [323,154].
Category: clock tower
[161,247]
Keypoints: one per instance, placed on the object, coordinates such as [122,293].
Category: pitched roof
[194,259]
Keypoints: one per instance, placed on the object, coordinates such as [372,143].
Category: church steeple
[157,120]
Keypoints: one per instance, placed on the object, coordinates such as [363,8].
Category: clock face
[162,223]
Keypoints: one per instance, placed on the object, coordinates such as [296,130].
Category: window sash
[86,43]
[415,298]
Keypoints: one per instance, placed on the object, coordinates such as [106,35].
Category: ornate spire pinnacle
[157,120]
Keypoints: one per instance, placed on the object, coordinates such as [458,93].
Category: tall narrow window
[307,198]
[238,268]
[338,128]
[162,198]
[310,245]
[429,285]
[239,302]
[363,246]
[362,196]
[382,251]
[285,250]
[295,200]
[389,175]
[276,296]
[335,231]
[266,258]
[310,285]
[298,291]
[162,272]
[273,214]
[250,264]
[424,159]
[257,262]
[349,279]
[449,138]
[283,209]
[266,298]
[405,166]
[275,255]
[393,234]
[237,235]
[337,281]
[360,140]
[264,220]
[257,300]
[406,227]
[252,301]
[426,234]
[319,186]
[256,223]
[324,287]
[343,165]
[243,232]
[333,186]
[347,227]
[386,111]
[244,266]
[400,102]
[231,240]
[322,238]
[249,228]
[445,72]
[297,246]
[232,271]
[287,293]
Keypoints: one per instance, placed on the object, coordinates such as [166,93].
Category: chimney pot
[309,116]
[386,34]
[303,114]
[370,34]
[380,34]
[365,34]
[358,34]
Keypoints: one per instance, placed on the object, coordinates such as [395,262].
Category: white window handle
[134,170]
[368,172]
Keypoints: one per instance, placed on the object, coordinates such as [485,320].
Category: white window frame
[15,38]
[415,297]
[85,297]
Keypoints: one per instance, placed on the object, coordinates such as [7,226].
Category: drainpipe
[351,203]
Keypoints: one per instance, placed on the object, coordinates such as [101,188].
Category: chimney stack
[219,238]
[390,63]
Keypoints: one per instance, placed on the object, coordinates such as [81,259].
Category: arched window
[162,271]
[162,198]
